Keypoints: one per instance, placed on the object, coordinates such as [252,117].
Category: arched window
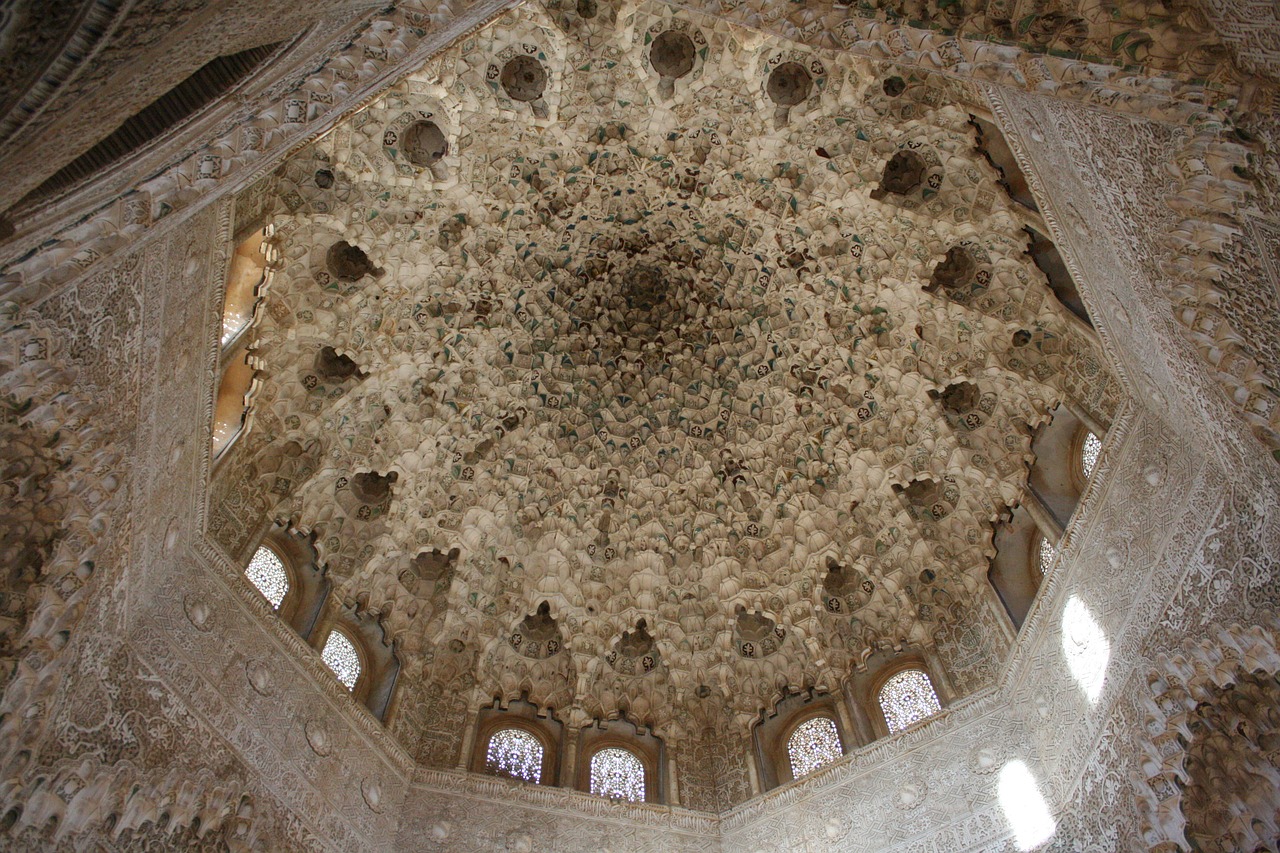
[908,698]
[1089,451]
[516,753]
[815,743]
[250,271]
[1057,478]
[800,733]
[231,407]
[359,652]
[1045,556]
[617,773]
[249,274]
[341,656]
[519,740]
[286,569]
[267,573]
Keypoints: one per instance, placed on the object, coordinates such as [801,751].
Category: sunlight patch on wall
[1086,648]
[1024,807]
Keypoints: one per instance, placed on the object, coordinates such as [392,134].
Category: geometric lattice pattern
[908,698]
[1089,454]
[515,753]
[815,743]
[1047,554]
[266,572]
[617,773]
[341,657]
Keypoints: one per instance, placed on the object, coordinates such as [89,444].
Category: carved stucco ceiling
[662,350]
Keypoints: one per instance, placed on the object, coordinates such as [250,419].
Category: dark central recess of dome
[646,286]
[650,303]
[634,296]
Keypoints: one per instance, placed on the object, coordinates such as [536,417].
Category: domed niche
[959,397]
[789,84]
[957,275]
[757,635]
[965,406]
[524,79]
[349,263]
[423,144]
[930,500]
[845,591]
[430,570]
[434,564]
[635,652]
[538,634]
[672,54]
[335,367]
[371,487]
[904,173]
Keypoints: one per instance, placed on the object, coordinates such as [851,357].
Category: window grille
[1047,554]
[815,743]
[267,573]
[617,773]
[515,753]
[342,658]
[1089,454]
[908,698]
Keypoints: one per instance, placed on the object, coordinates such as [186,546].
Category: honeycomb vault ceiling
[659,348]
